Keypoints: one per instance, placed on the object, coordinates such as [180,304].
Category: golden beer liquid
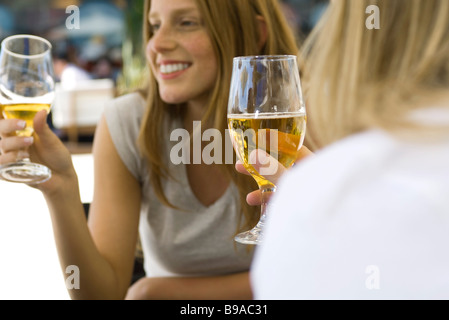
[24,112]
[249,133]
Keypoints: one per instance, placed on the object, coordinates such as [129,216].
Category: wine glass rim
[274,57]
[22,36]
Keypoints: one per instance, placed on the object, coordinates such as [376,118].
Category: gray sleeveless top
[194,241]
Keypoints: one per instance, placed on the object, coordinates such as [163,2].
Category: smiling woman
[181,54]
[186,215]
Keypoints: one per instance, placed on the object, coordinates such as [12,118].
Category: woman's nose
[162,40]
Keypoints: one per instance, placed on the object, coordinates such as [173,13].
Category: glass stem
[266,192]
[25,159]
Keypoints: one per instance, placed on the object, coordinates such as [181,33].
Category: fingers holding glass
[26,87]
[254,198]
[13,147]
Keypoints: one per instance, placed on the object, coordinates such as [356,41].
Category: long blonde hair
[233,29]
[359,78]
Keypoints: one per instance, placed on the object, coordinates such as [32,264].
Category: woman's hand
[274,170]
[43,147]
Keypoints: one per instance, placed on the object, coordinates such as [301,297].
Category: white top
[365,218]
[195,241]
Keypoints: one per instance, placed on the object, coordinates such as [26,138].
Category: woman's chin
[172,99]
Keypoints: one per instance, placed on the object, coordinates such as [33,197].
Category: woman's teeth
[170,68]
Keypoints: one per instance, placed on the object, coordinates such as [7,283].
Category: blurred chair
[77,111]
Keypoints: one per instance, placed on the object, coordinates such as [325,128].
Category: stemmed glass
[26,87]
[266,120]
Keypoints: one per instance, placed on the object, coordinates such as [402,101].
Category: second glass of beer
[267,122]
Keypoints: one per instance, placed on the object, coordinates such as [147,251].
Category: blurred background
[109,38]
[107,44]
[108,35]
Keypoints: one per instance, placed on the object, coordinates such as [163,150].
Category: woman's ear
[263,32]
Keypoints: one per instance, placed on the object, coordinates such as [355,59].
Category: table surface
[29,268]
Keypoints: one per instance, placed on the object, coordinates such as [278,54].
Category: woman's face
[180,52]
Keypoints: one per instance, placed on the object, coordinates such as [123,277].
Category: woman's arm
[228,287]
[114,213]
[105,253]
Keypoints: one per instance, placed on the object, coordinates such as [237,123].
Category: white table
[29,265]
[84,167]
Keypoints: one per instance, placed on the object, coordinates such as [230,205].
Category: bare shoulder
[107,161]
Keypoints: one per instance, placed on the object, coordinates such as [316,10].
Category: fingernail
[21,124]
[28,140]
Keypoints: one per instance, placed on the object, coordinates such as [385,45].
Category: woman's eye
[154,27]
[188,23]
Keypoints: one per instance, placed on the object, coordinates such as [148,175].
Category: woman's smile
[172,70]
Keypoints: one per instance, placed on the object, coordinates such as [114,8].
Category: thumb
[40,123]
[43,131]
[266,165]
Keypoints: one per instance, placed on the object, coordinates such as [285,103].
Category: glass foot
[25,172]
[253,236]
[249,237]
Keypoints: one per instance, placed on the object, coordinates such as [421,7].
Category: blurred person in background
[66,69]
[367,217]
